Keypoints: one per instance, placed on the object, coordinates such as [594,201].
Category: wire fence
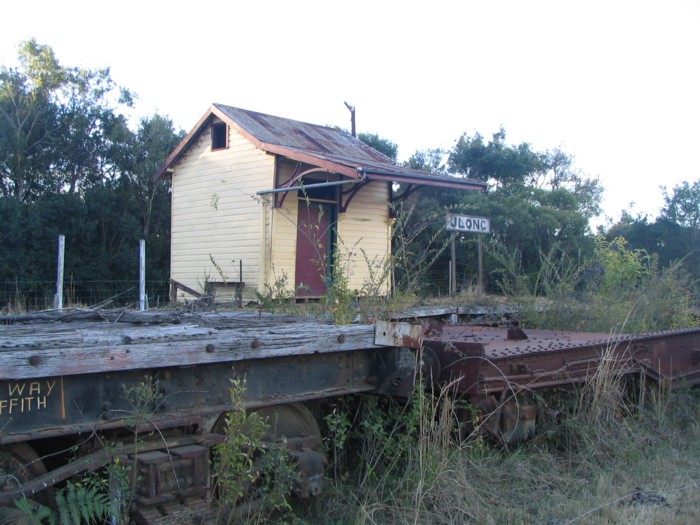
[25,296]
[435,284]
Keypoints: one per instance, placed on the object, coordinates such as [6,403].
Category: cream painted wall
[218,220]
[364,234]
[216,214]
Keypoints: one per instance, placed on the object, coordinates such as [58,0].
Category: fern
[80,504]
[37,514]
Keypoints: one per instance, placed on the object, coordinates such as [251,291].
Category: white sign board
[464,223]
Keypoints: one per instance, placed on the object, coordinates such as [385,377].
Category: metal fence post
[143,299]
[58,298]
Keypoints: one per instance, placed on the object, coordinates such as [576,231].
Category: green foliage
[144,398]
[537,203]
[557,275]
[618,289]
[83,502]
[577,473]
[235,458]
[70,165]
[432,160]
[622,269]
[58,124]
[338,432]
[418,242]
[278,297]
[37,514]
[339,299]
[493,161]
[382,145]
[245,468]
[682,206]
[674,236]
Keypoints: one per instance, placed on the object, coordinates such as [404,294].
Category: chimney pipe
[352,118]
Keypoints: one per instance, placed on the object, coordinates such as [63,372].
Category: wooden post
[58,298]
[240,285]
[453,269]
[143,300]
[480,278]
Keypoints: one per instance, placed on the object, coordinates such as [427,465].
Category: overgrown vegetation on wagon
[612,452]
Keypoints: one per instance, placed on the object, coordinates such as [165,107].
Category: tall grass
[607,462]
[618,288]
[613,451]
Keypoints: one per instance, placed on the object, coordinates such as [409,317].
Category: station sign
[465,223]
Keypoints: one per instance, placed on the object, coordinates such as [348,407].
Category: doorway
[316,236]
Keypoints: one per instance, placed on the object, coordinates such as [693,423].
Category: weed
[278,296]
[338,424]
[339,300]
[246,469]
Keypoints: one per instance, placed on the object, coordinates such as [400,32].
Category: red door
[314,248]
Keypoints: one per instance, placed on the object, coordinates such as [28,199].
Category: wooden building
[259,201]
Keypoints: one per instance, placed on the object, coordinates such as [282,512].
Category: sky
[614,83]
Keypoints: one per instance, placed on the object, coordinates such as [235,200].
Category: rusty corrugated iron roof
[327,142]
[331,148]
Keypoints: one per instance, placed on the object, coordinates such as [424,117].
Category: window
[219,135]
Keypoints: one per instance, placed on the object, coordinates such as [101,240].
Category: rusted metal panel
[551,358]
[479,361]
[390,333]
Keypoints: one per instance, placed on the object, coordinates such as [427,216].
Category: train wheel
[293,426]
[510,420]
[290,422]
[19,463]
[10,516]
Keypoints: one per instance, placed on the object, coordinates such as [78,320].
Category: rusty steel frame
[479,361]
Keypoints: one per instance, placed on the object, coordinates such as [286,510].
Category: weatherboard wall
[364,239]
[216,219]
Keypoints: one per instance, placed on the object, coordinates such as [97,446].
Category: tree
[494,162]
[682,206]
[432,160]
[673,236]
[385,146]
[71,165]
[537,202]
[57,124]
[29,122]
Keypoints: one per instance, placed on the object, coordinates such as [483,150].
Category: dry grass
[631,467]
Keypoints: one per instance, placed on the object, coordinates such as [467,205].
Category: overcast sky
[616,84]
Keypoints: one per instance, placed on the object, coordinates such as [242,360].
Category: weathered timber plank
[152,317]
[99,334]
[90,355]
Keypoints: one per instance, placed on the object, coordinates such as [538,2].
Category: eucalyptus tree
[538,204]
[59,127]
[70,164]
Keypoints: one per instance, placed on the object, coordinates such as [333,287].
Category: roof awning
[405,177]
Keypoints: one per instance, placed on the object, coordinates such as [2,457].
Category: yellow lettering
[49,386]
[28,403]
[13,404]
[40,402]
[35,387]
[16,389]
[3,405]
